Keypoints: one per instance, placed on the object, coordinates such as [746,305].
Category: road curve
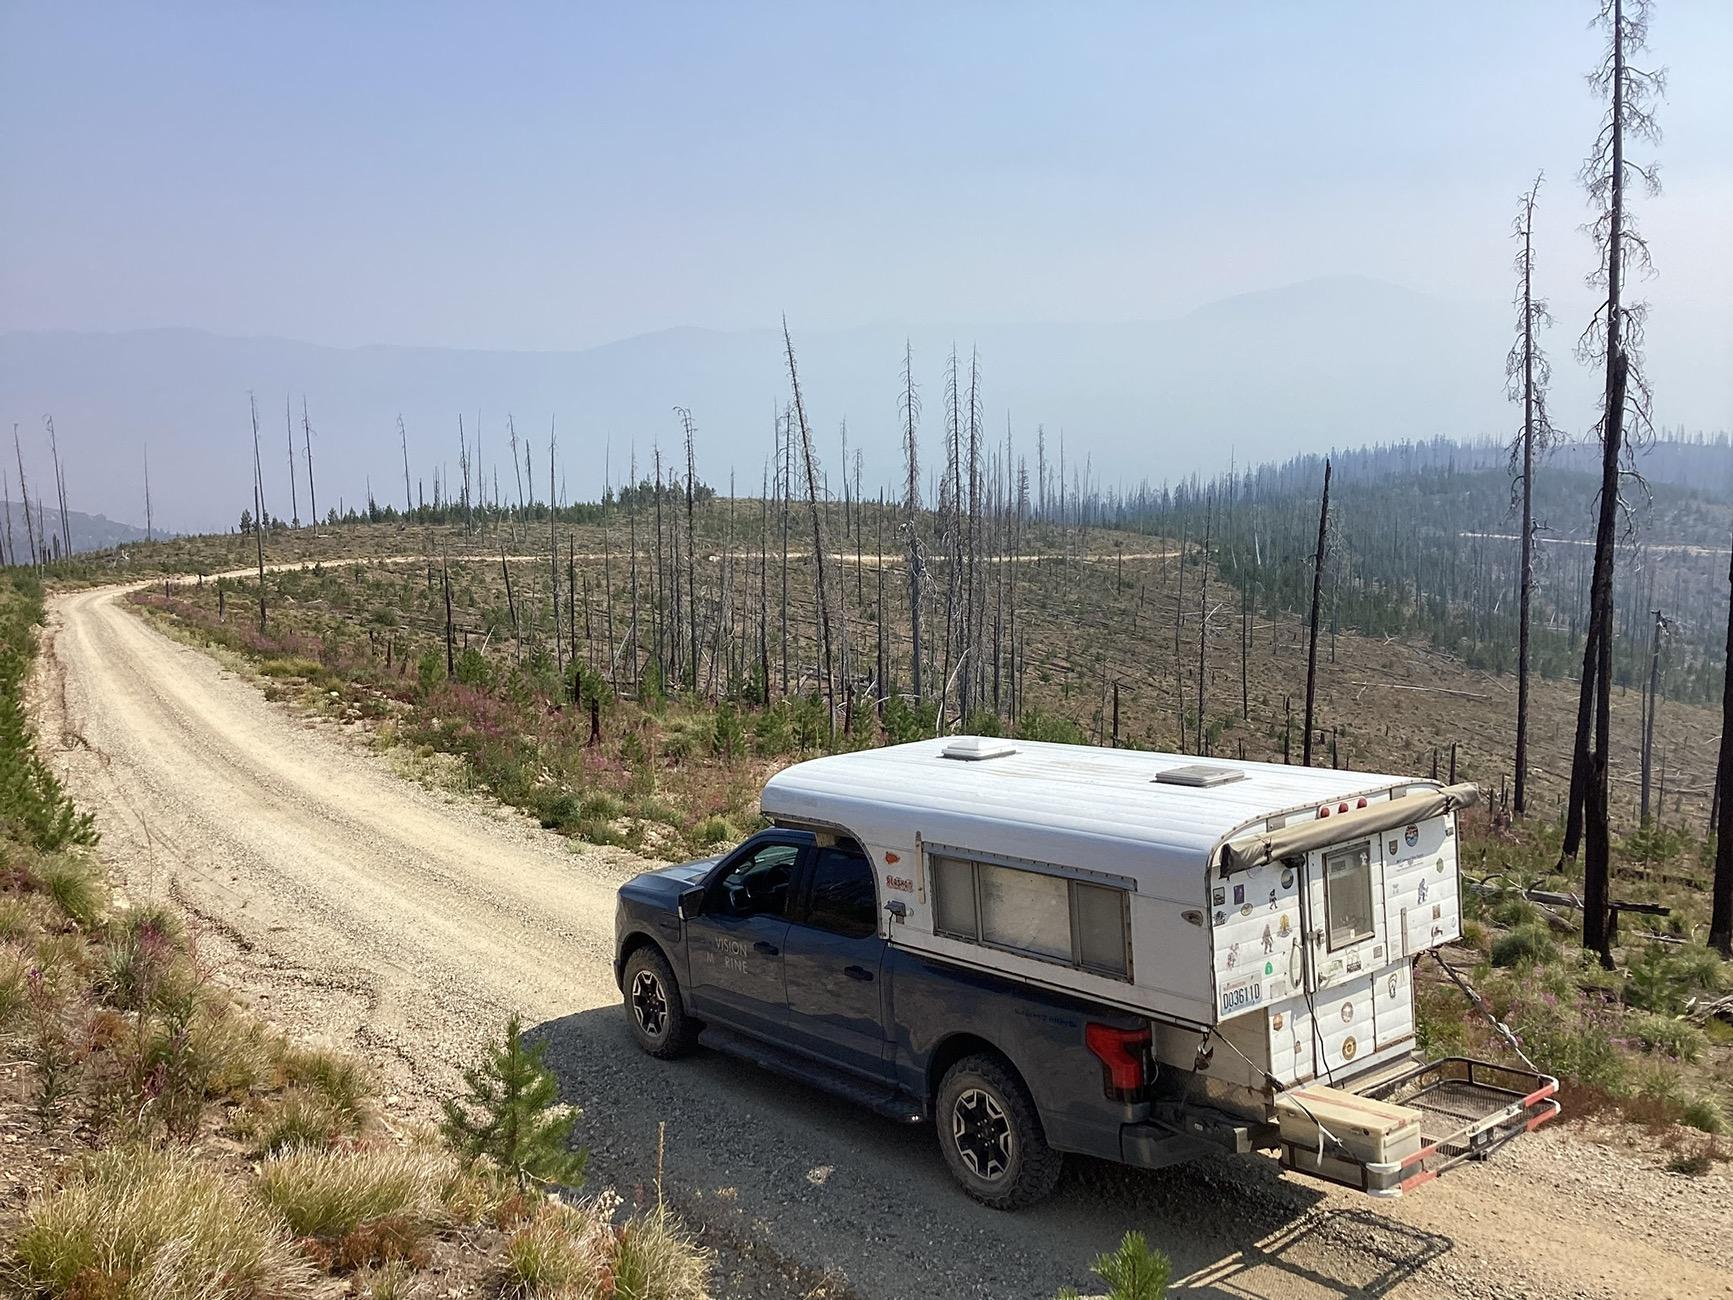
[409,922]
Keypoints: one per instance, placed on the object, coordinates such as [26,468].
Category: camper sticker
[1411,836]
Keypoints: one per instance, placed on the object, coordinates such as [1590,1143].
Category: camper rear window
[1032,913]
[1348,895]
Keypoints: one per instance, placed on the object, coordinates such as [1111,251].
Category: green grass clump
[293,1119]
[559,809]
[1530,944]
[34,810]
[137,1223]
[293,666]
[330,1193]
[655,1258]
[1704,1111]
[1571,1043]
[339,1079]
[710,832]
[1665,1035]
[75,885]
[14,970]
[562,1251]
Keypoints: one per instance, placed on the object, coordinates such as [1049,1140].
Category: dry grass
[340,1079]
[655,1258]
[141,1224]
[331,1193]
[563,1252]
[577,1253]
[76,886]
[291,1120]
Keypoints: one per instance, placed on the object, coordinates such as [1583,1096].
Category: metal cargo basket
[1469,1109]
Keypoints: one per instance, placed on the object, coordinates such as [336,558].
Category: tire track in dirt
[408,924]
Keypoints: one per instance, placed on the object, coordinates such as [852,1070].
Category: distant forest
[1424,546]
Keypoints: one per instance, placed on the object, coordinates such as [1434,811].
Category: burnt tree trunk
[1312,629]
[1721,893]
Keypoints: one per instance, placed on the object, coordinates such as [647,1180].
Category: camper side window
[1348,895]
[1030,912]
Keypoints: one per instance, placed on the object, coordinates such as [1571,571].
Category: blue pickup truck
[774,953]
[1047,948]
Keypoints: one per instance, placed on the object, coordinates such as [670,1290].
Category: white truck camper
[1265,919]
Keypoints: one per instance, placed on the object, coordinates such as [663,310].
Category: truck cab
[778,952]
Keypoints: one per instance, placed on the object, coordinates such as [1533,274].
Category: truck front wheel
[991,1135]
[654,1011]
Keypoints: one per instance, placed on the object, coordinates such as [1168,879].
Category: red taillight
[1324,810]
[1361,803]
[1122,1052]
[1343,806]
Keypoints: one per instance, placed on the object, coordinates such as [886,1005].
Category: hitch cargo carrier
[1396,1133]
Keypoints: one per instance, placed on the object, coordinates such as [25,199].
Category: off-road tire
[654,1012]
[1001,1158]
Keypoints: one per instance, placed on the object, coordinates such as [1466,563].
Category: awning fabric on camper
[1255,849]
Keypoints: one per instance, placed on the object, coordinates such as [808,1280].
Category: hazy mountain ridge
[89,532]
[1333,362]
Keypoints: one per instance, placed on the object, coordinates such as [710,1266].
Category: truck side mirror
[691,902]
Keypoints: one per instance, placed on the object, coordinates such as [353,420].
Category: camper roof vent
[972,749]
[1199,775]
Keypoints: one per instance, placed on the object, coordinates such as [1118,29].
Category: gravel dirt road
[348,902]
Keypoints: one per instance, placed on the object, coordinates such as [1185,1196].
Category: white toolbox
[1370,1132]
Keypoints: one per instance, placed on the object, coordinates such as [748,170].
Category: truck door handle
[858,973]
[768,949]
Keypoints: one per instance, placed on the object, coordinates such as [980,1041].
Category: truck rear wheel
[654,1011]
[991,1135]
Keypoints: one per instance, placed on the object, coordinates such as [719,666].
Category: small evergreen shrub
[1656,983]
[511,1113]
[1132,1271]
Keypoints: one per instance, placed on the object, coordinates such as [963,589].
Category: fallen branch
[1425,690]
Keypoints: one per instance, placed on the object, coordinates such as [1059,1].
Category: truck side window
[1035,914]
[843,898]
[757,885]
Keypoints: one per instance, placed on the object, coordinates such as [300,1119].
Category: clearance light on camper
[1323,810]
[1121,1053]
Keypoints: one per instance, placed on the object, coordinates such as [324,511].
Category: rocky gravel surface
[406,923]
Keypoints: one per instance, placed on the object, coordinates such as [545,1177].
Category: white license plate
[1241,996]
